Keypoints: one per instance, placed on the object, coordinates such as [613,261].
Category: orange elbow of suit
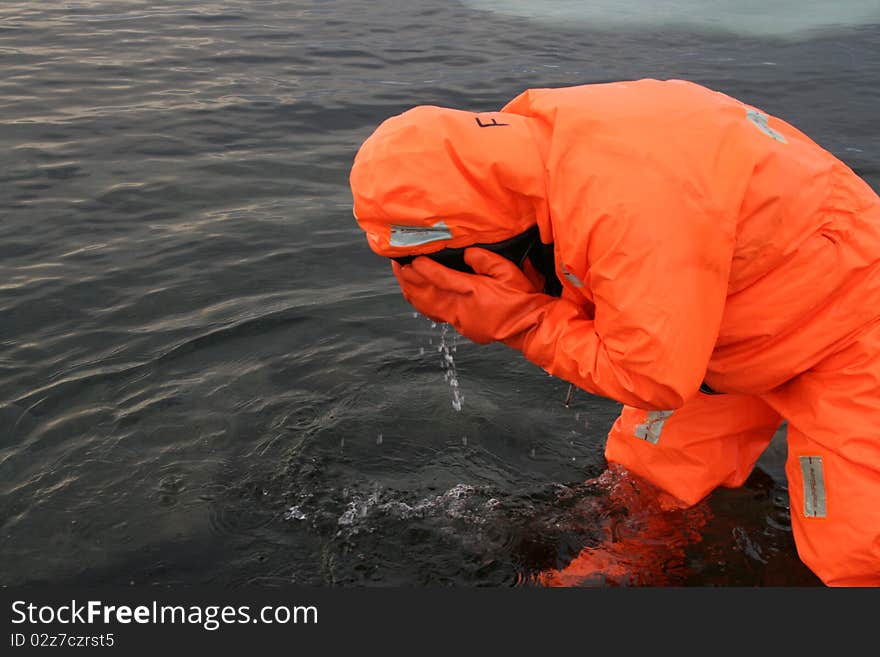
[564,342]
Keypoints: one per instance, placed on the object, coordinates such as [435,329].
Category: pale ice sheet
[761,18]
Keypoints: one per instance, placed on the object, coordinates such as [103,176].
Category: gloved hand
[498,302]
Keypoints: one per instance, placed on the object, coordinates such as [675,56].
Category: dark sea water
[205,374]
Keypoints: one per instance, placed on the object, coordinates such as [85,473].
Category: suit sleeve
[659,259]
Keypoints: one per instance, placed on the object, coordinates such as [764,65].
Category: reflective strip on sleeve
[761,121]
[814,486]
[574,280]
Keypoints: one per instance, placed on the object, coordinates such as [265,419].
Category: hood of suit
[434,177]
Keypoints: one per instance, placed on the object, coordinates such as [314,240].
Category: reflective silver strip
[760,120]
[814,486]
[415,235]
[652,427]
[574,280]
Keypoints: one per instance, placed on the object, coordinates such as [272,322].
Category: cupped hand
[497,302]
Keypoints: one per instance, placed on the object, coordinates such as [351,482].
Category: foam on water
[763,18]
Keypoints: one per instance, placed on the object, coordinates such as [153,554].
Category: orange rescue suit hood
[434,177]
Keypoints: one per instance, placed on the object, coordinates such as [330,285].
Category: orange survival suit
[699,241]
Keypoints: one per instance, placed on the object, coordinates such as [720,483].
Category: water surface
[205,374]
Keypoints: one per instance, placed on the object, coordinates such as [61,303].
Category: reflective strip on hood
[416,235]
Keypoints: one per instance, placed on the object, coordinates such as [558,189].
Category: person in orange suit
[674,249]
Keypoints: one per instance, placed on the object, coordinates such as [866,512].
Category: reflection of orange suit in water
[698,241]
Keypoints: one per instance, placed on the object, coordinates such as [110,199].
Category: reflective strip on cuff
[814,486]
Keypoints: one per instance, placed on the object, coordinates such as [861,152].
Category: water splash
[294,513]
[462,502]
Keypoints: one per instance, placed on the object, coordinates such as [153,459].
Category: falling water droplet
[448,364]
[379,439]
